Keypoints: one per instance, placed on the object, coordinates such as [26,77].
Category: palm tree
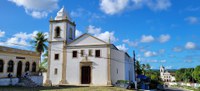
[138,68]
[148,67]
[39,43]
[143,68]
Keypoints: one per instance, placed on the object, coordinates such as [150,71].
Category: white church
[85,60]
[165,75]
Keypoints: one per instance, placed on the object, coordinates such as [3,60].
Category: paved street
[175,89]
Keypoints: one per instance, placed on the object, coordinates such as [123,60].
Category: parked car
[160,87]
[125,84]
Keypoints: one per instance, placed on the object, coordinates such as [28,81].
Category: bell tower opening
[62,28]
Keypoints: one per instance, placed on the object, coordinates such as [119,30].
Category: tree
[187,76]
[138,68]
[143,69]
[148,67]
[184,74]
[196,74]
[179,75]
[44,63]
[39,43]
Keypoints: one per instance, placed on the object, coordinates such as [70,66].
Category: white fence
[37,79]
[8,81]
[195,85]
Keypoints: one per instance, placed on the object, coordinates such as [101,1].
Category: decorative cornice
[4,49]
[64,20]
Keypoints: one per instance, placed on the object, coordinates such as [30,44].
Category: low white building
[84,60]
[17,62]
[165,75]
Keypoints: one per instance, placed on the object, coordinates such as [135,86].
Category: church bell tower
[61,32]
[62,28]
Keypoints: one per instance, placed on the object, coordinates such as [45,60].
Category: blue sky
[162,32]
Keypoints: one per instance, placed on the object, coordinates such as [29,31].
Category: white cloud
[37,14]
[105,36]
[188,61]
[78,33]
[102,35]
[112,7]
[192,20]
[150,53]
[86,14]
[93,30]
[2,33]
[152,61]
[130,43]
[177,49]
[37,8]
[164,38]
[161,51]
[21,39]
[147,38]
[79,12]
[168,67]
[158,5]
[122,47]
[190,45]
[162,61]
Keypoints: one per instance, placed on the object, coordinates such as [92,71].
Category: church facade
[84,60]
[165,75]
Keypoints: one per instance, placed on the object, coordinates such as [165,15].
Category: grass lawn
[62,89]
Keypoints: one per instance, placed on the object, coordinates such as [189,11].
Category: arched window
[70,33]
[27,66]
[34,67]
[10,66]
[1,65]
[57,32]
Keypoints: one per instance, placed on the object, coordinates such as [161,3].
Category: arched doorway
[85,75]
[1,65]
[19,69]
[27,66]
[34,67]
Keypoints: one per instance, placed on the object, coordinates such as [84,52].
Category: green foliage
[122,81]
[142,68]
[39,43]
[187,75]
[145,69]
[196,74]
[138,68]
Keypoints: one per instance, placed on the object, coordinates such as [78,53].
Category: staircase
[26,82]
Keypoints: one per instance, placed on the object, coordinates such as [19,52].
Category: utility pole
[135,69]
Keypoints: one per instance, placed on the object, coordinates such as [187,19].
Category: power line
[69,52]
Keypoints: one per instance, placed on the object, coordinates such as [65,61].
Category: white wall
[6,81]
[56,48]
[124,64]
[62,26]
[64,33]
[44,74]
[7,57]
[129,69]
[68,32]
[117,63]
[99,66]
[86,40]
